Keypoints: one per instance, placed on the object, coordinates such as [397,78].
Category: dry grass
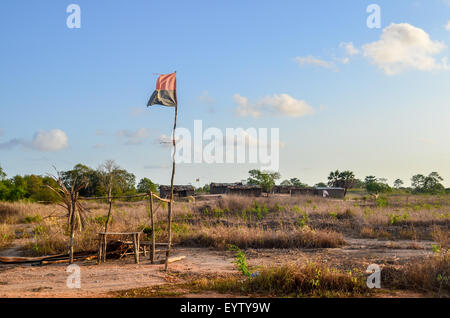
[7,235]
[244,237]
[309,280]
[430,275]
[277,221]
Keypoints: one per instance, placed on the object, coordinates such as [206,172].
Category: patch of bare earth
[115,275]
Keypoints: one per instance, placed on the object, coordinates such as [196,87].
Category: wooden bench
[135,243]
[103,238]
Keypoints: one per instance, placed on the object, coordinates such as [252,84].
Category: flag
[166,91]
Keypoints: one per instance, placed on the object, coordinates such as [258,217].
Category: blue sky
[374,114]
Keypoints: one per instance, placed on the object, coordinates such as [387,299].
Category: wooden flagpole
[170,206]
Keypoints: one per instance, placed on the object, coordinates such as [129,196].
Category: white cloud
[349,48]
[447,27]
[133,137]
[344,60]
[244,108]
[166,141]
[11,143]
[311,60]
[403,46]
[52,140]
[243,138]
[209,101]
[282,104]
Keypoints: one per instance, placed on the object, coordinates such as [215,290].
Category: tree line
[425,184]
[109,179]
[36,187]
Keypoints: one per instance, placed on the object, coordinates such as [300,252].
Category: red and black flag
[166,91]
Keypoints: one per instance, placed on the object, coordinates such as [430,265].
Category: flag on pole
[166,91]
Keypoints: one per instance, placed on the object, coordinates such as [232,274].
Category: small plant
[33,219]
[279,207]
[218,213]
[241,260]
[244,214]
[382,202]
[147,231]
[436,248]
[394,219]
[315,282]
[303,221]
[333,215]
[38,230]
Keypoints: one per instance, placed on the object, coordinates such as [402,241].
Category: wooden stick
[171,189]
[152,251]
[117,197]
[137,246]
[173,259]
[104,247]
[100,249]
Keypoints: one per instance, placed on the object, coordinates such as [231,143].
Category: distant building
[246,190]
[338,193]
[236,189]
[178,191]
[302,191]
[221,188]
[292,190]
[282,189]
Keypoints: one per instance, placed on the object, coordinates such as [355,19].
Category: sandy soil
[100,280]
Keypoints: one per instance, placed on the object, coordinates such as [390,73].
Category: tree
[320,185]
[398,183]
[80,172]
[376,186]
[265,179]
[69,197]
[294,182]
[358,184]
[2,174]
[427,184]
[146,185]
[344,179]
[204,189]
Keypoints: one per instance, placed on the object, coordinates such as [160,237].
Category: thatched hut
[338,193]
[236,188]
[180,191]
[302,191]
[221,188]
[246,190]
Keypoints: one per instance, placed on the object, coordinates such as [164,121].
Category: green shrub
[32,219]
[241,260]
[382,202]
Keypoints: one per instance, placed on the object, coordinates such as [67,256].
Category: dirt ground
[115,275]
